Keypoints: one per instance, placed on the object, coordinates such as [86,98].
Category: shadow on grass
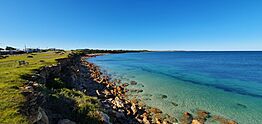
[62,107]
[30,76]
[59,101]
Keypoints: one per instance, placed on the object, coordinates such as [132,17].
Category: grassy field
[10,71]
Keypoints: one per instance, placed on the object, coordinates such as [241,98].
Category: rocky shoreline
[117,107]
[114,97]
[117,103]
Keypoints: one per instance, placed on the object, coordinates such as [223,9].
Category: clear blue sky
[132,24]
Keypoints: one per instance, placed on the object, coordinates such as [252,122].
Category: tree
[2,49]
[10,48]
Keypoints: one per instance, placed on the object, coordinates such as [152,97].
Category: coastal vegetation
[11,70]
[17,70]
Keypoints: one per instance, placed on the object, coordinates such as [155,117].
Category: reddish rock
[154,110]
[186,118]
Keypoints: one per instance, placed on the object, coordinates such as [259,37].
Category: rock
[119,114]
[139,91]
[36,84]
[22,62]
[145,121]
[195,122]
[104,117]
[125,84]
[133,82]
[29,88]
[97,92]
[231,122]
[169,119]
[202,116]
[128,112]
[175,104]
[136,90]
[223,120]
[186,118]
[119,88]
[166,122]
[157,120]
[141,104]
[133,108]
[164,96]
[65,121]
[107,93]
[133,90]
[39,116]
[118,103]
[241,105]
[154,110]
[44,119]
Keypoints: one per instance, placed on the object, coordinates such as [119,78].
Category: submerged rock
[173,103]
[133,83]
[223,120]
[241,105]
[164,96]
[187,118]
[136,90]
[154,110]
[125,84]
[203,114]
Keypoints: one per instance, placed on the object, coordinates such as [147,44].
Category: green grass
[75,105]
[11,98]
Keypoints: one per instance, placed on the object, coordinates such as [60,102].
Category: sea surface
[228,84]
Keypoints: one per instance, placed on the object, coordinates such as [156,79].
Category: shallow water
[228,84]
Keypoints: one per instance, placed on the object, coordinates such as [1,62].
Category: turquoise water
[228,84]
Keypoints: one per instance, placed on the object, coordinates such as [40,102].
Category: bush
[57,83]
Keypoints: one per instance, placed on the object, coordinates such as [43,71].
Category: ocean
[228,84]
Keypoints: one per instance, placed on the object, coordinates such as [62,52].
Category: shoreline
[146,116]
[112,97]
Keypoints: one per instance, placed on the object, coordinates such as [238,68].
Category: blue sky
[132,24]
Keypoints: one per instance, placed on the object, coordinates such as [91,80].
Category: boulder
[145,120]
[118,103]
[133,108]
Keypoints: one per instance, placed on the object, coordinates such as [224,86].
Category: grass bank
[11,98]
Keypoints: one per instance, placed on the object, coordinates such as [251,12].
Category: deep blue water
[235,77]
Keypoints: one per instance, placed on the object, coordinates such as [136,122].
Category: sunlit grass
[11,98]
